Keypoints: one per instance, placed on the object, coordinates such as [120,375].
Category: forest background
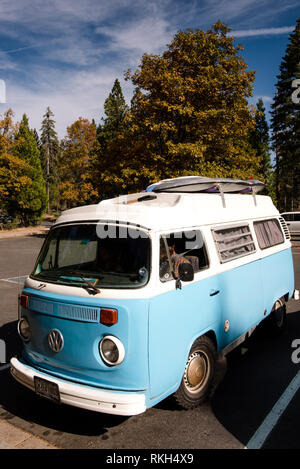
[189,115]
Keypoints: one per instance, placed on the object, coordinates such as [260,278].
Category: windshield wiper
[91,286]
[88,285]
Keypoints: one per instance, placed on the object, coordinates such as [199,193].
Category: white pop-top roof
[166,211]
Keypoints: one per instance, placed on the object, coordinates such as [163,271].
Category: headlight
[24,329]
[112,350]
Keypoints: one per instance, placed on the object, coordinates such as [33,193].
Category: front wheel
[198,375]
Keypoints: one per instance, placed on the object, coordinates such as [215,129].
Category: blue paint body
[157,332]
[176,319]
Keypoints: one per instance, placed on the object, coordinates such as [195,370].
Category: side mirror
[186,272]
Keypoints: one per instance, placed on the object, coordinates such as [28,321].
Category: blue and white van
[133,299]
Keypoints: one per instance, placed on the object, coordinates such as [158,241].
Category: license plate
[47,389]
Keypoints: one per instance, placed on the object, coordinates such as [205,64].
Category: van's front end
[83,318]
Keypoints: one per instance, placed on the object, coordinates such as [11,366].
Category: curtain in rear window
[268,233]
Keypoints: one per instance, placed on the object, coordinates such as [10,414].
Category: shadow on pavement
[13,344]
[38,235]
[258,372]
[18,401]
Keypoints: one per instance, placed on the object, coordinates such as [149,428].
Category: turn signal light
[109,317]
[24,301]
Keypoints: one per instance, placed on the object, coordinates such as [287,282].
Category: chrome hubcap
[196,371]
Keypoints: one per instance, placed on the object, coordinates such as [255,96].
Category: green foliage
[22,187]
[188,115]
[260,141]
[115,109]
[32,197]
[50,150]
[286,127]
[110,162]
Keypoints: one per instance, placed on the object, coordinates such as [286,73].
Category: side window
[297,217]
[185,246]
[268,233]
[233,242]
[288,216]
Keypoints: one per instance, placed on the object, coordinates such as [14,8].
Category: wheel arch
[212,336]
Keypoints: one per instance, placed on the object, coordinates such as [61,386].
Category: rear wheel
[276,322]
[198,375]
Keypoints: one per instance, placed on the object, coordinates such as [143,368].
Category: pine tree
[37,138]
[260,141]
[115,109]
[110,157]
[286,127]
[31,200]
[49,155]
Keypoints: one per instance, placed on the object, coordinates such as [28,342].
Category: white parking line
[4,366]
[272,418]
[14,279]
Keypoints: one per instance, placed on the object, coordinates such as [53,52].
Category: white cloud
[263,31]
[6,63]
[266,99]
[146,35]
[80,94]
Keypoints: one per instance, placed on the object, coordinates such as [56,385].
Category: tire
[198,375]
[276,322]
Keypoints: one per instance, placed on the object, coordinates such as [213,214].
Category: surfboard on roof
[196,184]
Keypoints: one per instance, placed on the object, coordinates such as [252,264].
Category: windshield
[75,255]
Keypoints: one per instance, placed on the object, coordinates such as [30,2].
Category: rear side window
[268,233]
[233,242]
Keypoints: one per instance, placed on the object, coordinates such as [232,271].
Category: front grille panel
[66,311]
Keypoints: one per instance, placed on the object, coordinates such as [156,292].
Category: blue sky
[66,54]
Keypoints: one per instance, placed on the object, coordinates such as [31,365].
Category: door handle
[214,292]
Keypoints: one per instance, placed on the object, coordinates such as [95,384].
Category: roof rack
[196,184]
[199,184]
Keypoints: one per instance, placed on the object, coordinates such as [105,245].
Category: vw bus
[133,299]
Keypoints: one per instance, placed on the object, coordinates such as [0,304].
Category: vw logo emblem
[55,340]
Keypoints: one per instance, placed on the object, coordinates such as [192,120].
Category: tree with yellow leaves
[190,113]
[77,150]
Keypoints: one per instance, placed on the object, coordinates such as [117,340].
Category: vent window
[285,228]
[233,242]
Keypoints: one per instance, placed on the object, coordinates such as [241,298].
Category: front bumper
[85,397]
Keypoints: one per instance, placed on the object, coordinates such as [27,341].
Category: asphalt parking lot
[251,384]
